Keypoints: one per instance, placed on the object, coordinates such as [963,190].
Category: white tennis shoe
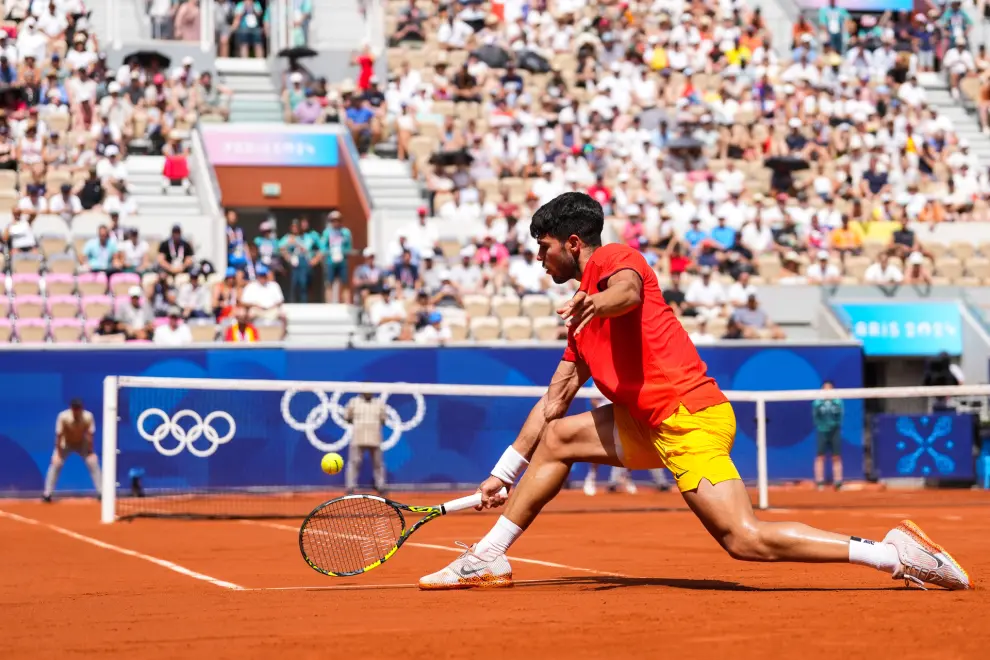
[469,571]
[923,560]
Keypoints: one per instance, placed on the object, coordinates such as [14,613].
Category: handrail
[210,196]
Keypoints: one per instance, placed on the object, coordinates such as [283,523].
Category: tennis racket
[353,534]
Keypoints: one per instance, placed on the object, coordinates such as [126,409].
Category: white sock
[881,556]
[498,540]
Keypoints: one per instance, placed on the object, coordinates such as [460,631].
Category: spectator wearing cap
[33,203]
[301,251]
[309,110]
[466,275]
[367,277]
[241,331]
[266,246]
[111,169]
[133,253]
[173,333]
[434,331]
[294,94]
[136,316]
[422,234]
[883,273]
[429,272]
[823,272]
[97,255]
[336,243]
[263,297]
[175,255]
[388,317]
[917,273]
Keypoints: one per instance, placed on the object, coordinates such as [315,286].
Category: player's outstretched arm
[564,385]
[623,292]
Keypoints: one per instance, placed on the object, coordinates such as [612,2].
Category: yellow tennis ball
[332,463]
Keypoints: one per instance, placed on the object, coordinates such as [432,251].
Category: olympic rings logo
[202,427]
[328,407]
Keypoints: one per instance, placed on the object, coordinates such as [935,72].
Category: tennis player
[665,410]
[74,429]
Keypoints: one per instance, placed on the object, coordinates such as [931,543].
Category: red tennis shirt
[644,359]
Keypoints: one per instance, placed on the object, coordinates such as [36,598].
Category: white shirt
[705,295]
[133,254]
[528,275]
[107,170]
[388,331]
[698,338]
[877,274]
[65,208]
[22,235]
[756,239]
[166,336]
[125,209]
[815,273]
[739,294]
[265,296]
[39,206]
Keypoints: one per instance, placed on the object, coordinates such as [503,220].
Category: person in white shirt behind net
[173,333]
[883,273]
[823,272]
[74,430]
[263,297]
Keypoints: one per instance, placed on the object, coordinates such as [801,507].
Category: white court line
[182,570]
[430,546]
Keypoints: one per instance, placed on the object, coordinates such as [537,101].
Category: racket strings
[350,534]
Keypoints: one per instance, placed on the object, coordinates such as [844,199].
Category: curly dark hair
[572,213]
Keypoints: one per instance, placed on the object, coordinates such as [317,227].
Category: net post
[108,504]
[761,453]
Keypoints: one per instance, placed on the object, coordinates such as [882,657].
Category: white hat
[794,122]
[791,256]
[633,209]
[187,61]
[623,177]
[916,258]
[428,254]
[296,77]
[468,251]
[114,87]
[111,150]
[823,255]
[267,225]
[135,292]
[368,252]
[547,167]
[680,190]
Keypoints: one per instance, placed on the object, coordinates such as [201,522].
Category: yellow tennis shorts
[693,446]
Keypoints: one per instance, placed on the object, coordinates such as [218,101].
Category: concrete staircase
[145,185]
[391,187]
[337,25]
[256,98]
[966,125]
[320,325]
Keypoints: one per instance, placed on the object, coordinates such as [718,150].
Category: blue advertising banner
[904,329]
[929,446]
[185,438]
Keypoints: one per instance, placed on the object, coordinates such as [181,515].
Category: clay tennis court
[618,576]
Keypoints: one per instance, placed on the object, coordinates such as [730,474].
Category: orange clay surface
[677,596]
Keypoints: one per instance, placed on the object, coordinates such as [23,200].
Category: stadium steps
[255,97]
[320,325]
[965,123]
[337,24]
[144,181]
[391,186]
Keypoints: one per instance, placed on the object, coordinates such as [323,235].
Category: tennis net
[207,448]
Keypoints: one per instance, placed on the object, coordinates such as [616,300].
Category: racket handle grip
[468,502]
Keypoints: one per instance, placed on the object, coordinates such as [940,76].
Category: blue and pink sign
[268,145]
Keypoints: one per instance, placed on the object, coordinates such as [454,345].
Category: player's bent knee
[746,544]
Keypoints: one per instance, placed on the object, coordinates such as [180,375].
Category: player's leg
[355,455]
[378,462]
[835,443]
[54,469]
[585,438]
[697,447]
[93,465]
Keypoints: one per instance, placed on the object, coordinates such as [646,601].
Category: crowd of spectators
[72,253]
[729,165]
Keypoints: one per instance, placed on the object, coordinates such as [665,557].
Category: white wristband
[510,466]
